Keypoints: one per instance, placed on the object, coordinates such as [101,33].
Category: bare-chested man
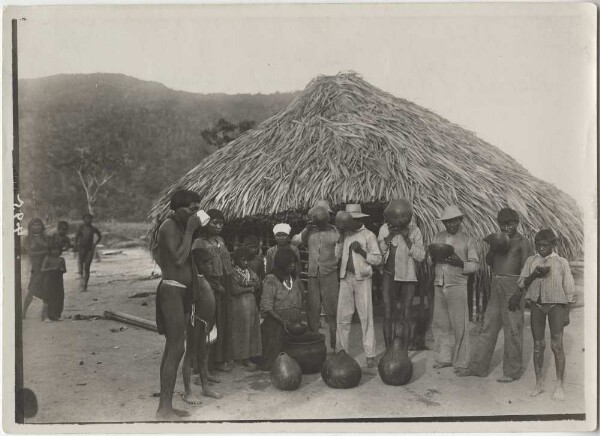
[174,292]
[505,308]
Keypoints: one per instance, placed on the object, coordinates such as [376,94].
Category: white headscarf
[282,228]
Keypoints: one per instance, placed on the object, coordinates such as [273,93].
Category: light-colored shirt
[321,249]
[466,249]
[362,267]
[270,260]
[275,296]
[557,286]
[405,268]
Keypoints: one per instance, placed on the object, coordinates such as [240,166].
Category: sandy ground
[82,371]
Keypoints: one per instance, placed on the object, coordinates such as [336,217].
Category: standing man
[505,308]
[321,238]
[401,243]
[85,243]
[450,307]
[358,250]
[174,292]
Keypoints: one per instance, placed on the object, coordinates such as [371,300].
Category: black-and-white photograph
[375,215]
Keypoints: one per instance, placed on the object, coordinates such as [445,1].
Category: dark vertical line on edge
[19,418]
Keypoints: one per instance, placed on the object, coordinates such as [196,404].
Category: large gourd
[395,367]
[285,373]
[341,371]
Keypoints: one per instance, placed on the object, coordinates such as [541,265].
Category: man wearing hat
[282,239]
[450,308]
[320,237]
[359,251]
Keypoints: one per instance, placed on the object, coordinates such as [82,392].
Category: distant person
[281,232]
[550,288]
[451,305]
[245,319]
[401,244]
[256,263]
[505,307]
[359,252]
[280,305]
[175,291]
[219,278]
[36,243]
[85,244]
[61,237]
[323,289]
[53,268]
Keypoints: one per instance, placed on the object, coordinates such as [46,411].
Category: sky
[522,77]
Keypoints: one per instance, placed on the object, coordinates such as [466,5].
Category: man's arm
[97,232]
[77,236]
[472,264]
[417,249]
[170,242]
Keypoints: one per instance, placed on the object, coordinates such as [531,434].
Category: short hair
[242,252]
[215,214]
[507,215]
[283,258]
[546,235]
[54,246]
[183,198]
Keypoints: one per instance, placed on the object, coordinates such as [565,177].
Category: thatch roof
[345,140]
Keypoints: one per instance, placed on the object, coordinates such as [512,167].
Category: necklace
[289,288]
[245,273]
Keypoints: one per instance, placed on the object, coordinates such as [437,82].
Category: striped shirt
[557,286]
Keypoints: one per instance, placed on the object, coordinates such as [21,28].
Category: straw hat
[355,210]
[325,204]
[450,212]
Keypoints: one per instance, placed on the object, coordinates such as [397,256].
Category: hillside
[158,128]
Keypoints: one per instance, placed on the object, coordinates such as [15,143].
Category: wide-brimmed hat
[325,204]
[355,210]
[450,212]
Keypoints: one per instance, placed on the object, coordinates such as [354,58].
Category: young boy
[321,237]
[256,263]
[550,288]
[450,307]
[359,252]
[85,243]
[282,239]
[61,238]
[402,246]
[505,308]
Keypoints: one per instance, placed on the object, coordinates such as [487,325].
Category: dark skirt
[54,293]
[272,334]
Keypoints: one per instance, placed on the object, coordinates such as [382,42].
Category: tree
[225,131]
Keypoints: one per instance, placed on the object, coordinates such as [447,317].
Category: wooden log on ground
[131,319]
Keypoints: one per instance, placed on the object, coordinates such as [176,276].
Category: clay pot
[297,328]
[395,210]
[440,251]
[341,371]
[395,367]
[285,373]
[308,350]
[499,242]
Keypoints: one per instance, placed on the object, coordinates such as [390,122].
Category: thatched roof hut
[345,140]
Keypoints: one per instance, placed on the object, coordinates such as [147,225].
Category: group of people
[48,267]
[219,312]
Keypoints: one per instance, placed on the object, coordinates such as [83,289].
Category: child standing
[53,269]
[550,288]
[256,263]
[61,237]
[245,320]
[85,244]
[37,250]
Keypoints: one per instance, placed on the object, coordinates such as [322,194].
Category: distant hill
[160,129]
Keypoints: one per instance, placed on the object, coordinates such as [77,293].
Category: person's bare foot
[213,378]
[506,379]
[462,372]
[536,391]
[207,392]
[190,398]
[438,365]
[559,394]
[171,415]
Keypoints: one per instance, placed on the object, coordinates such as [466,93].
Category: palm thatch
[345,140]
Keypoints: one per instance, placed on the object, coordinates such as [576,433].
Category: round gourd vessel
[307,349]
[499,242]
[440,251]
[285,373]
[297,328]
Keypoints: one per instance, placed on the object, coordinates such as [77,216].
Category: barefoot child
[505,308]
[37,250]
[85,243]
[245,320]
[53,269]
[550,287]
